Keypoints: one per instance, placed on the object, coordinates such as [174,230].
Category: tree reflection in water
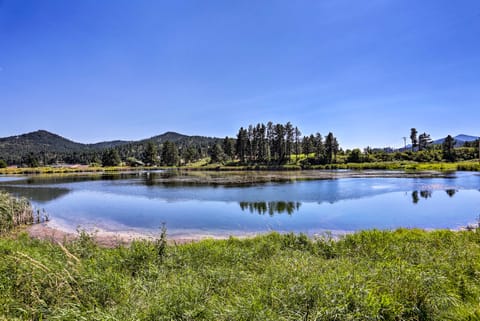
[428,194]
[271,208]
[451,192]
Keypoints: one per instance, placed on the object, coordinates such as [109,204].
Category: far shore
[181,176]
[472,165]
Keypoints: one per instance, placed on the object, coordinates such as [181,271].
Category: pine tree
[298,146]
[190,154]
[111,158]
[336,149]
[329,148]
[448,149]
[216,154]
[308,144]
[279,153]
[263,143]
[413,138]
[270,141]
[424,141]
[289,140]
[242,141]
[228,146]
[319,147]
[150,155]
[169,154]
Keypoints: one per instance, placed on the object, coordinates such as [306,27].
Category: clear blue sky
[94,70]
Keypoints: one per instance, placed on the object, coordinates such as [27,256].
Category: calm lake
[203,203]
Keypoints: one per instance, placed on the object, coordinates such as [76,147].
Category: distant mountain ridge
[460,139]
[45,141]
[14,149]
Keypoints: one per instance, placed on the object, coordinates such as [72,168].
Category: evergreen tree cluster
[276,143]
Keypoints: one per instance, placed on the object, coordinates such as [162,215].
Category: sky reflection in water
[140,202]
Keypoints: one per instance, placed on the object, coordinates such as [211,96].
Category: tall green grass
[371,275]
[14,212]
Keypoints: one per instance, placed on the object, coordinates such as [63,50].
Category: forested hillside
[44,148]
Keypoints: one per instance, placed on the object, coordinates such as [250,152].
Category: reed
[18,211]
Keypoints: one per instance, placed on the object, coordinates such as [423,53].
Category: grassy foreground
[371,275]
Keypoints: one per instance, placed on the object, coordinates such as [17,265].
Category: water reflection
[209,201]
[271,208]
[40,195]
[426,194]
[70,178]
[451,192]
[423,194]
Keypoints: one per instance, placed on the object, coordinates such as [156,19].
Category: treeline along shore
[260,146]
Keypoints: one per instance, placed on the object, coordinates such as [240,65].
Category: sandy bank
[111,239]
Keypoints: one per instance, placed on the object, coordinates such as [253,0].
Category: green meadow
[370,275]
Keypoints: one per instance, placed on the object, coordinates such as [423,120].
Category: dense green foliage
[111,157]
[432,154]
[372,275]
[170,155]
[150,155]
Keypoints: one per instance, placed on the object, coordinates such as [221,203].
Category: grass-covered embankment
[62,170]
[406,166]
[236,166]
[373,275]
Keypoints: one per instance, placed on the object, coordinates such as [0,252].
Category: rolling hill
[48,146]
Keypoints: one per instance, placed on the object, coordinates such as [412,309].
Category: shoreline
[105,238]
[239,177]
[111,239]
[43,231]
[468,165]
